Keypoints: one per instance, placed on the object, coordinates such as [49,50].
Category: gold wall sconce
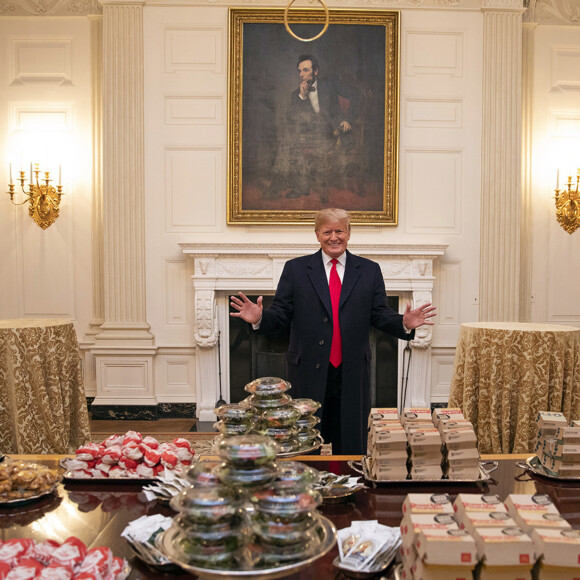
[568,204]
[44,199]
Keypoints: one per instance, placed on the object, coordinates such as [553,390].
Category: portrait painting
[313,124]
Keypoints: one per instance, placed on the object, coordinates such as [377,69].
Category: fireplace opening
[253,356]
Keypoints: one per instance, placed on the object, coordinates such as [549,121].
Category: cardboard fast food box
[424,571]
[389,456]
[412,524]
[529,521]
[472,520]
[391,472]
[459,439]
[463,473]
[414,414]
[391,434]
[457,424]
[521,502]
[558,547]
[425,460]
[427,503]
[425,472]
[508,546]
[446,547]
[383,414]
[544,572]
[549,422]
[476,502]
[461,454]
[485,572]
[446,414]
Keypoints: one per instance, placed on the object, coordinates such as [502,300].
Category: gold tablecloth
[43,407]
[504,373]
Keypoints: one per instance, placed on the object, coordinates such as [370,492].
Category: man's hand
[345,126]
[421,315]
[247,310]
[304,88]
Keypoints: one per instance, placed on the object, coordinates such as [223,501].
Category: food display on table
[557,448]
[129,456]
[24,559]
[421,446]
[23,481]
[247,512]
[270,411]
[485,535]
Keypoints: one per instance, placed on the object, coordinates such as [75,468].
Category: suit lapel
[351,276]
[317,275]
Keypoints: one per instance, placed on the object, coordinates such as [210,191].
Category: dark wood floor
[158,426]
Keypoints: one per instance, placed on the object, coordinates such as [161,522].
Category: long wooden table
[97,512]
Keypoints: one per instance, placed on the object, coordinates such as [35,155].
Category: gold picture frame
[284,162]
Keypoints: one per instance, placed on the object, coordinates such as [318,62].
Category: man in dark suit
[303,303]
[314,125]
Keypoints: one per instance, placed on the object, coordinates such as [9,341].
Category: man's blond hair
[331,214]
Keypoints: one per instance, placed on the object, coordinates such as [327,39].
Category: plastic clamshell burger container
[446,547]
[558,547]
[509,546]
[427,503]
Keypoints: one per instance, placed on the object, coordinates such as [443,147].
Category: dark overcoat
[302,303]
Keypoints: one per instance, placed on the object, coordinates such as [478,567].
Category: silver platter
[362,467]
[533,465]
[302,450]
[30,498]
[327,529]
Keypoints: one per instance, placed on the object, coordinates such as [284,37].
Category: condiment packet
[367,545]
[143,528]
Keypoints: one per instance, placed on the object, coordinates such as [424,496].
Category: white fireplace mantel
[224,268]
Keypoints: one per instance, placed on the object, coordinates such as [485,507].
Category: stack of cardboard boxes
[387,445]
[433,546]
[558,445]
[421,445]
[479,536]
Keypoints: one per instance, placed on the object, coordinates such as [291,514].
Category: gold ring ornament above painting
[294,35]
[568,204]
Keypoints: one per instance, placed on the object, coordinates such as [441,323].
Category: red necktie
[335,286]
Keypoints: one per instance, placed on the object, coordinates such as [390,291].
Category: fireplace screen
[253,356]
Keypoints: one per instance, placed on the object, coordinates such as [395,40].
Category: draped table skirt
[504,373]
[43,406]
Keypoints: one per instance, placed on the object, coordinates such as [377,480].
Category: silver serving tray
[30,498]
[318,443]
[533,465]
[164,543]
[363,468]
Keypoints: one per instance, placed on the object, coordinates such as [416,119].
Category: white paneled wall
[46,119]
[556,137]
[45,105]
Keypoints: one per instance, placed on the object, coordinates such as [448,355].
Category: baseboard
[141,412]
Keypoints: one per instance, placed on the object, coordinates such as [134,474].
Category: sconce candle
[43,198]
[568,204]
